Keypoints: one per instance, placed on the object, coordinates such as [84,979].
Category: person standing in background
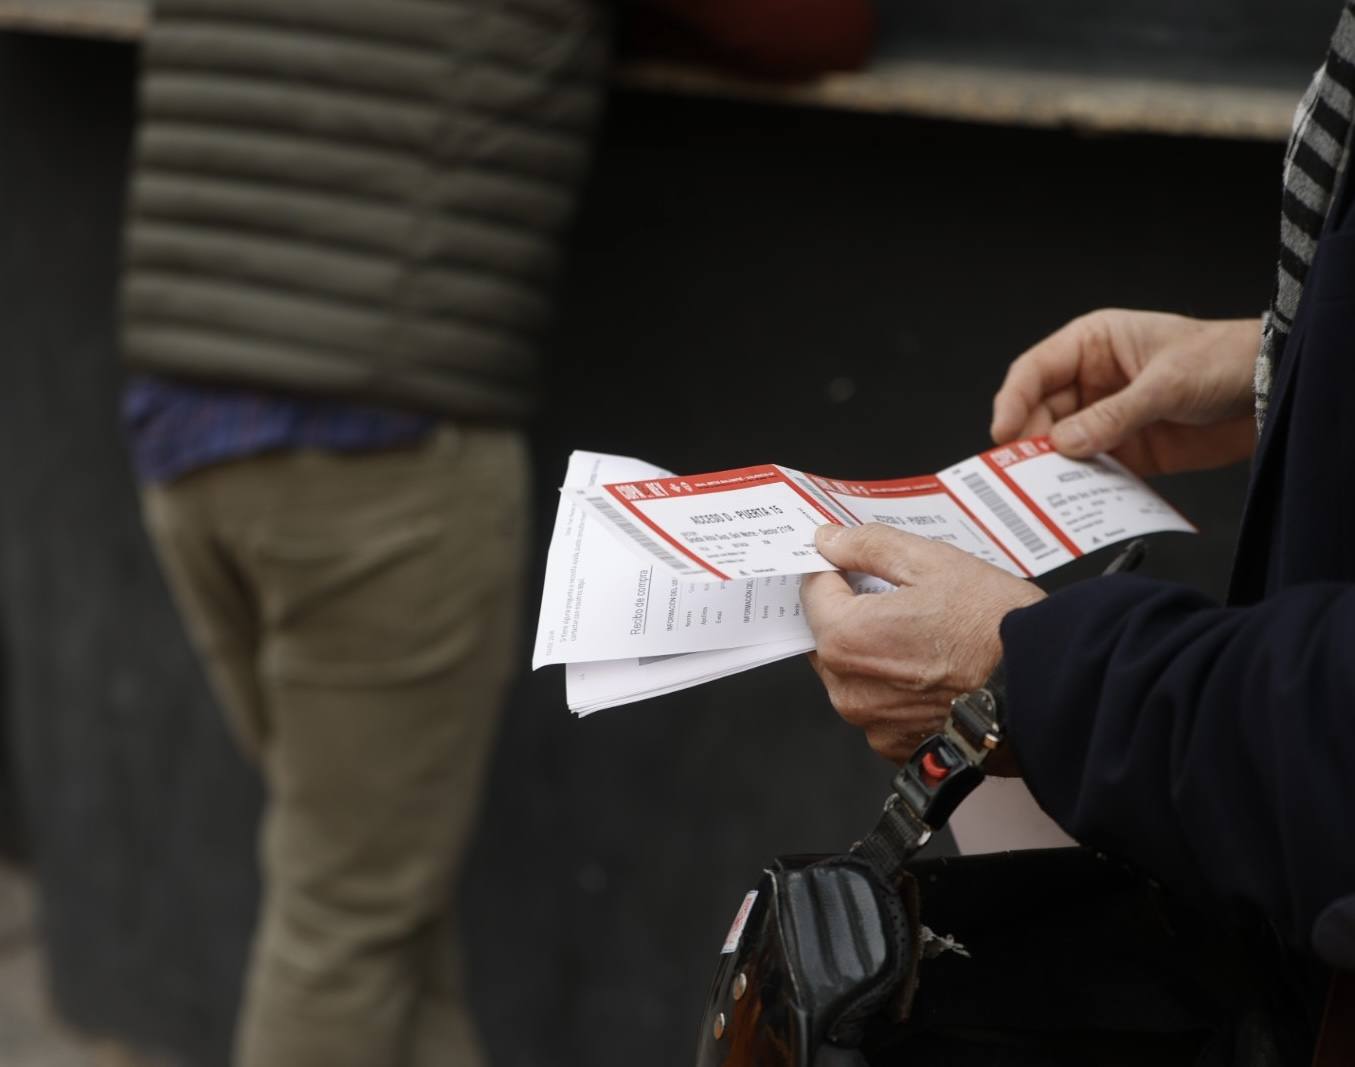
[344,228]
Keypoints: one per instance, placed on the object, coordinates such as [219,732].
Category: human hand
[1161,393]
[892,662]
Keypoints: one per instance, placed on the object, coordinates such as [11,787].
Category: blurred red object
[781,39]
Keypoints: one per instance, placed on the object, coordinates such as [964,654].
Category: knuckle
[1093,333]
[1106,415]
[1084,326]
[931,676]
[1099,319]
[852,713]
[852,708]
[1170,379]
[883,743]
[871,536]
[881,545]
[833,649]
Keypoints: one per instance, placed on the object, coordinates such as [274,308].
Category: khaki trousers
[357,616]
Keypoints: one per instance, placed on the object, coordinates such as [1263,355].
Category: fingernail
[1069,436]
[825,535]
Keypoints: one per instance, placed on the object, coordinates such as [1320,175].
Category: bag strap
[944,769]
[1336,1038]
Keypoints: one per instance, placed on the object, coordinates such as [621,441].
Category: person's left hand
[892,662]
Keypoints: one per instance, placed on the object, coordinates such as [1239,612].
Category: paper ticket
[1022,507]
[601,603]
[747,523]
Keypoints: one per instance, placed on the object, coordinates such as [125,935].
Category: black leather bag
[1029,959]
[1054,958]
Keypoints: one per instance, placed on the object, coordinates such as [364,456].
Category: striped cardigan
[1316,156]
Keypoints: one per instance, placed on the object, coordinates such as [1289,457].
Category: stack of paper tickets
[657,582]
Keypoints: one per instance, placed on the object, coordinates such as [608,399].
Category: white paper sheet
[590,687]
[599,602]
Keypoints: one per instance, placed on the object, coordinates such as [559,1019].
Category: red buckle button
[933,769]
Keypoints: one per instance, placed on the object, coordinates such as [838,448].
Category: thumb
[871,549]
[1104,425]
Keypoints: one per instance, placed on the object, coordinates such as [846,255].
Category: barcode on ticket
[980,487]
[654,548]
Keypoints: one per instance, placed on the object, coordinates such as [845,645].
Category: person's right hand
[1161,393]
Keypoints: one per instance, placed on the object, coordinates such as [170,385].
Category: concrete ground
[30,1035]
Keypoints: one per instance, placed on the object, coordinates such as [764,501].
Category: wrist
[1240,340]
[988,627]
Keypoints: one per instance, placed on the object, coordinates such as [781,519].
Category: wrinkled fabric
[358,617]
[1214,744]
[175,427]
[359,199]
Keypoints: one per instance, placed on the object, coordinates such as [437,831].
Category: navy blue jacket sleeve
[1212,746]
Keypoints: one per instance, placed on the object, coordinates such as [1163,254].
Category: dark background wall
[823,290]
[1236,41]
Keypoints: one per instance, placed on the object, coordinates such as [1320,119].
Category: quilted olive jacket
[358,197]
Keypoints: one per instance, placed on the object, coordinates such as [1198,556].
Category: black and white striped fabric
[1318,148]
